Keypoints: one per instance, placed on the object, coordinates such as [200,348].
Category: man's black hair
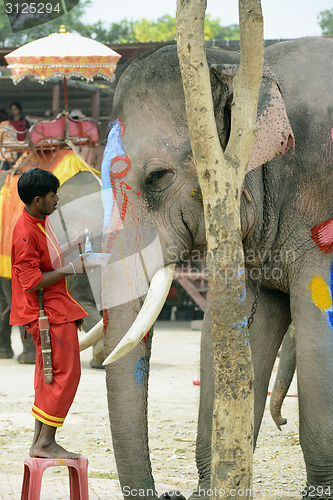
[17,104]
[36,182]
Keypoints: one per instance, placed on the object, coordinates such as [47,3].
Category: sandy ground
[279,470]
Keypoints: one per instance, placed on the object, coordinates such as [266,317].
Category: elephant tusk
[91,337]
[151,308]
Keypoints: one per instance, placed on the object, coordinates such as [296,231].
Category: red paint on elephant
[105,320]
[322,235]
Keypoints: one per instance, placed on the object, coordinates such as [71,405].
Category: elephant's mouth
[151,308]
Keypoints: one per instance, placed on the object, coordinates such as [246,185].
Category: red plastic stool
[33,472]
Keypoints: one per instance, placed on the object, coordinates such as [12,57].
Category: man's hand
[81,264]
[75,244]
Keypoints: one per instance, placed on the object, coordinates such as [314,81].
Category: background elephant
[154,217]
[80,206]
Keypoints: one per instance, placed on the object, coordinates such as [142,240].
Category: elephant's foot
[6,353]
[171,495]
[27,358]
[96,364]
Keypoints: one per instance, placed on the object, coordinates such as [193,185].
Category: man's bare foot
[51,450]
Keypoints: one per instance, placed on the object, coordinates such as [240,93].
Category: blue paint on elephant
[140,370]
[114,148]
[330,313]
[242,298]
[243,330]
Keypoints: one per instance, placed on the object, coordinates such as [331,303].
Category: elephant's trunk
[127,389]
[284,377]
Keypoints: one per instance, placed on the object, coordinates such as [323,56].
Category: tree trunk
[221,176]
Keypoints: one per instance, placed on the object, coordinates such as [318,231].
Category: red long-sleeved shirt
[35,250]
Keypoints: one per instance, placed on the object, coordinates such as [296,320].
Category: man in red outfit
[38,263]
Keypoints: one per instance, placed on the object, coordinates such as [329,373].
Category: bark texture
[221,175]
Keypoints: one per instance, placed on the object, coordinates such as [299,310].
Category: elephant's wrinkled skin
[87,210]
[156,187]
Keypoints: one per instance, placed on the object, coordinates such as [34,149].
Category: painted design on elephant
[140,370]
[114,149]
[114,153]
[322,294]
[322,235]
[105,320]
[243,330]
[196,195]
[243,297]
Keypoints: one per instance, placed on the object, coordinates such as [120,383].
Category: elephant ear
[274,133]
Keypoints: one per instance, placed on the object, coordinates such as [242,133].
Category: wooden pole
[55,99]
[95,105]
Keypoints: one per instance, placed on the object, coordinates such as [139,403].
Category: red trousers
[53,400]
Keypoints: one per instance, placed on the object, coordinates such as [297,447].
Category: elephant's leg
[270,323]
[311,300]
[284,376]
[28,356]
[6,350]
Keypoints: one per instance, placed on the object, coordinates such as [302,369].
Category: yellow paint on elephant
[320,293]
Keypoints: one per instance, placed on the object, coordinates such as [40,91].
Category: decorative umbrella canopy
[64,55]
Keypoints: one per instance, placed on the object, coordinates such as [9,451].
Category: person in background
[77,114]
[7,136]
[18,121]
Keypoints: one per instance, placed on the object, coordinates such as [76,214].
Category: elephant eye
[158,179]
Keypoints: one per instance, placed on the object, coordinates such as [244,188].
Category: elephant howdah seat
[48,134]
[33,473]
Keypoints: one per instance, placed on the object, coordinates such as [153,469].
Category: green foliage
[325,19]
[142,30]
[214,30]
[158,31]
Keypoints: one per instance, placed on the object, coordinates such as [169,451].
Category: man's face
[48,203]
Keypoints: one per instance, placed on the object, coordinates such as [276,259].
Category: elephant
[154,219]
[80,205]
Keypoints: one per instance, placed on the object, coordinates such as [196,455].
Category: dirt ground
[279,470]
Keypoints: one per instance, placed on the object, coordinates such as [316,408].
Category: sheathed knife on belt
[45,338]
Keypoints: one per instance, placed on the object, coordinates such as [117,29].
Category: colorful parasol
[62,55]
